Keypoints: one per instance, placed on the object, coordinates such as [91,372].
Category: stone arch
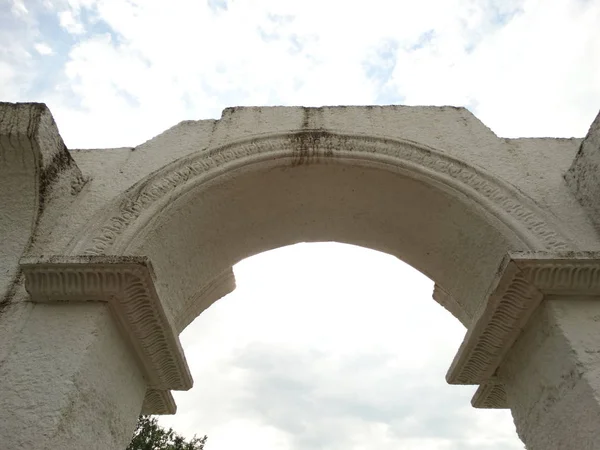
[93,326]
[498,217]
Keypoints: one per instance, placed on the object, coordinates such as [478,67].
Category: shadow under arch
[199,216]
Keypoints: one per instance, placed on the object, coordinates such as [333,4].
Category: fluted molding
[523,280]
[318,146]
[490,395]
[158,402]
[126,284]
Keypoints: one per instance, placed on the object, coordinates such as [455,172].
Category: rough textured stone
[35,168]
[551,377]
[583,176]
[69,382]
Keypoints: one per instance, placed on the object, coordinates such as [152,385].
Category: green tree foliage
[149,435]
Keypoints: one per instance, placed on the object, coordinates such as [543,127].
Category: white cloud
[70,22]
[18,8]
[43,49]
[537,75]
[17,35]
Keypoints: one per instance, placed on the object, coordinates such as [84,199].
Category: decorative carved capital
[126,284]
[523,280]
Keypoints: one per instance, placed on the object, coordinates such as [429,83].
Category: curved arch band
[513,209]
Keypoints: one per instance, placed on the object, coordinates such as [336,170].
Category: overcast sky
[353,357]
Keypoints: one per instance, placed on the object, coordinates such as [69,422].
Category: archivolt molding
[312,146]
[126,284]
[523,281]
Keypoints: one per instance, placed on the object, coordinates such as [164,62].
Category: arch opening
[360,342]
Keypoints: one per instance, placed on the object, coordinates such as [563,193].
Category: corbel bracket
[523,280]
[126,284]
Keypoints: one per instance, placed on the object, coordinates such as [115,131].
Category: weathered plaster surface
[69,382]
[453,131]
[114,171]
[583,176]
[450,131]
[551,376]
[38,180]
[431,185]
[35,168]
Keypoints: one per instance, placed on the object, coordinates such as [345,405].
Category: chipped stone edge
[126,284]
[523,279]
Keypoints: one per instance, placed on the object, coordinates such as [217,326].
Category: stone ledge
[158,402]
[126,284]
[522,282]
[490,395]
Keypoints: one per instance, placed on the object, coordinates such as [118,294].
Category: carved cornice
[126,284]
[312,146]
[572,273]
[522,282]
[158,402]
[490,395]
